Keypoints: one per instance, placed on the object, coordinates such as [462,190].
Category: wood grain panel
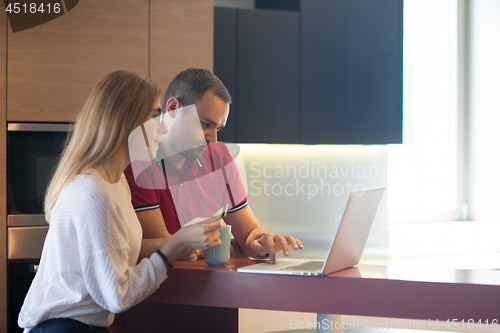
[53,67]
[3,174]
[181,37]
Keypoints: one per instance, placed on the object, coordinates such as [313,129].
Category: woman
[88,270]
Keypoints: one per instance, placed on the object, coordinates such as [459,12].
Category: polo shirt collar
[194,167]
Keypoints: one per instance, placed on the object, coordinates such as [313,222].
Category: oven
[33,151]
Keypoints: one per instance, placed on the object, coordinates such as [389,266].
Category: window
[424,182]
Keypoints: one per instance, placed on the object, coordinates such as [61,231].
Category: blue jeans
[66,325]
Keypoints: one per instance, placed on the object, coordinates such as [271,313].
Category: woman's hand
[202,235]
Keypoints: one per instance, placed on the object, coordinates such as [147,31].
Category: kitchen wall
[302,190]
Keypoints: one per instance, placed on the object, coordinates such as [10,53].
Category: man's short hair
[190,85]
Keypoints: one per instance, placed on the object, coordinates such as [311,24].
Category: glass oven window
[31,158]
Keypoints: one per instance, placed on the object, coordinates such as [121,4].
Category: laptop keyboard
[308,266]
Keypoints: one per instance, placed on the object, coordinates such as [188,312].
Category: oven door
[26,235]
[33,151]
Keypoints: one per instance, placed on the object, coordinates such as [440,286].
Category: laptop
[347,246]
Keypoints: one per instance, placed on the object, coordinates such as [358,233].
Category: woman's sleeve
[111,277]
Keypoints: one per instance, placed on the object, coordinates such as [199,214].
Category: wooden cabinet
[181,37]
[3,174]
[53,67]
[324,72]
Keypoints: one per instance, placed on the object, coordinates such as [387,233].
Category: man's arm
[149,246]
[247,231]
[154,232]
[155,235]
[152,224]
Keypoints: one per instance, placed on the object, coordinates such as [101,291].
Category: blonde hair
[119,103]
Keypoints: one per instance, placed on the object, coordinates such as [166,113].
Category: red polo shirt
[209,183]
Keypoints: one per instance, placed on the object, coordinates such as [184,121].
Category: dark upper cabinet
[330,73]
[225,63]
[351,71]
[267,76]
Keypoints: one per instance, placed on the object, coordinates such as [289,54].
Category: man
[193,175]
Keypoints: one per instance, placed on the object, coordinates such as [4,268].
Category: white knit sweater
[88,270]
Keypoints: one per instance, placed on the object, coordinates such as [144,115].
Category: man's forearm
[149,246]
[245,229]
